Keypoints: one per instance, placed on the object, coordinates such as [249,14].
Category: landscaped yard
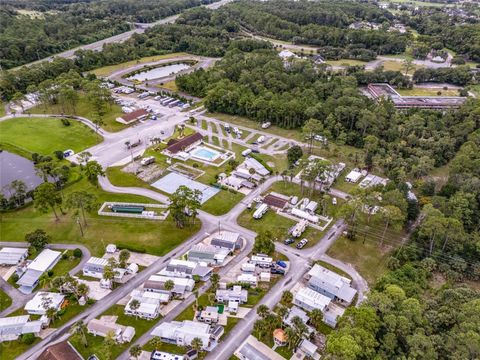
[12,349]
[367,258]
[85,109]
[96,343]
[417,91]
[46,135]
[155,237]
[107,70]
[5,300]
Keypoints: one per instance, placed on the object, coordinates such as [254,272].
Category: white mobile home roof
[44,260]
[312,298]
[36,304]
[97,261]
[353,176]
[11,256]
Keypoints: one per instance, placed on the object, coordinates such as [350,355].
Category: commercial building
[226,240]
[43,301]
[12,256]
[331,284]
[94,267]
[11,328]
[309,300]
[176,146]
[133,116]
[182,333]
[46,260]
[421,102]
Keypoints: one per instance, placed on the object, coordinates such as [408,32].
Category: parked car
[226,127]
[282,264]
[302,243]
[334,201]
[266,125]
[276,270]
[289,241]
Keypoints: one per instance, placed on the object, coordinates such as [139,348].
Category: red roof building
[133,116]
[175,145]
[60,351]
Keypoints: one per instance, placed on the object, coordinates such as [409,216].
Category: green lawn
[188,313]
[428,92]
[222,202]
[121,178]
[398,66]
[107,70]
[2,109]
[367,258]
[65,265]
[276,224]
[155,237]
[46,135]
[95,343]
[346,62]
[84,109]
[10,350]
[5,300]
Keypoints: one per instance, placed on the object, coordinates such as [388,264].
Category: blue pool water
[205,154]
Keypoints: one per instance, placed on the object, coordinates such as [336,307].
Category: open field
[154,237]
[124,179]
[416,91]
[170,85]
[398,66]
[5,300]
[96,343]
[222,203]
[84,109]
[46,135]
[367,258]
[107,70]
[346,62]
[12,349]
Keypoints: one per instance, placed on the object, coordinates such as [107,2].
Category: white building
[149,301]
[372,180]
[261,260]
[226,240]
[11,328]
[331,284]
[94,267]
[287,54]
[45,261]
[235,295]
[309,299]
[162,355]
[103,327]
[353,176]
[156,283]
[182,333]
[12,256]
[43,301]
[248,279]
[186,269]
[208,254]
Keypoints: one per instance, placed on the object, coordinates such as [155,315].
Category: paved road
[19,299]
[98,45]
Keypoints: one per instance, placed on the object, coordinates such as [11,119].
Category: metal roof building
[226,240]
[331,284]
[43,262]
[12,256]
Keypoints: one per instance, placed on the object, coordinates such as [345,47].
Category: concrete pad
[241,313]
[6,272]
[45,332]
[96,292]
[144,355]
[222,319]
[169,307]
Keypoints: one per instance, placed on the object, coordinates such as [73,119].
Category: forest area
[57,26]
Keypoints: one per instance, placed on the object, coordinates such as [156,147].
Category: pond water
[16,167]
[159,72]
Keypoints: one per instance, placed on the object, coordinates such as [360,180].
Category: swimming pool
[204,153]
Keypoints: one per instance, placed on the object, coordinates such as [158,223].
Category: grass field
[2,109]
[154,237]
[5,300]
[107,70]
[121,178]
[46,135]
[427,92]
[398,66]
[84,109]
[346,62]
[367,258]
[170,85]
[222,203]
[96,343]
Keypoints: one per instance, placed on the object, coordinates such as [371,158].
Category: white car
[266,125]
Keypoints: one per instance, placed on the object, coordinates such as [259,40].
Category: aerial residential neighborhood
[239,179]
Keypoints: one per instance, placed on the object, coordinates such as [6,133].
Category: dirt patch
[149,173]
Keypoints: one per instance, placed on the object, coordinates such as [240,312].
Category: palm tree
[316,316]
[83,290]
[123,257]
[156,342]
[135,351]
[169,285]
[215,279]
[134,305]
[291,338]
[287,298]
[263,311]
[282,311]
[197,344]
[51,313]
[80,329]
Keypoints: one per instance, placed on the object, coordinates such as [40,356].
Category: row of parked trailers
[171,102]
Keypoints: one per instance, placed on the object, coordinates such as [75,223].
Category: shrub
[28,338]
[58,154]
[50,273]
[77,253]
[65,256]
[65,122]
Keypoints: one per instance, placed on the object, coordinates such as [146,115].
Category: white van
[261,139]
[147,161]
[246,152]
